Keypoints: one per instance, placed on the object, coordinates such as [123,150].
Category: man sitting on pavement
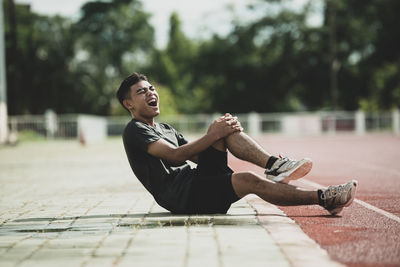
[158,156]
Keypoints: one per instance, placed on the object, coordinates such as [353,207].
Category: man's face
[143,101]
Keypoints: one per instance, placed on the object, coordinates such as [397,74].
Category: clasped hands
[224,126]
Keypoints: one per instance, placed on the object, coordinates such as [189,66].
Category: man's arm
[195,159]
[164,150]
[220,128]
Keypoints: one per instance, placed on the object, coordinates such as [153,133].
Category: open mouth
[152,103]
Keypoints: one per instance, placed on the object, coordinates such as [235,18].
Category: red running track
[359,236]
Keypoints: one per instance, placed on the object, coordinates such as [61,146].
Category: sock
[321,202]
[270,162]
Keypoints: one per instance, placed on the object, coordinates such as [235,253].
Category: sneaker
[285,169]
[336,197]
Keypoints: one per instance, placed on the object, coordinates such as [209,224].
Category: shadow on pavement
[135,215]
[94,224]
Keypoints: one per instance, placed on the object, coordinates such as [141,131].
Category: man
[158,155]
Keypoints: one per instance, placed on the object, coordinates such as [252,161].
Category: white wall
[91,129]
[301,124]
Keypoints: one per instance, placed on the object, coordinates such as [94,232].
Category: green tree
[38,51]
[72,67]
[274,63]
[252,68]
[279,63]
[173,68]
[113,39]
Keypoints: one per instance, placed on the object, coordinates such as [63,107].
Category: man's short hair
[125,87]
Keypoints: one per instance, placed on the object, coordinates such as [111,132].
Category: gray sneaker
[336,197]
[286,169]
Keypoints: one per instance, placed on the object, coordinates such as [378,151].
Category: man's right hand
[224,126]
[220,128]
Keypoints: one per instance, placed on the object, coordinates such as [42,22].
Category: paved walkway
[62,204]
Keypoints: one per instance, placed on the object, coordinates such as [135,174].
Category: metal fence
[67,126]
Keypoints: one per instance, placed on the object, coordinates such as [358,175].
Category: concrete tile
[87,199]
[51,263]
[100,261]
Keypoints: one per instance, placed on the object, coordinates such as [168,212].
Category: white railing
[70,126]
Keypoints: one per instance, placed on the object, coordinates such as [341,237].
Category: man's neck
[149,121]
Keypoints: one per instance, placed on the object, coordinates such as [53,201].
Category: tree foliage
[111,36]
[277,62]
[173,67]
[74,66]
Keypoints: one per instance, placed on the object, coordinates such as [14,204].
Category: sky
[200,18]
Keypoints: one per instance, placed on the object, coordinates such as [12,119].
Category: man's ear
[127,103]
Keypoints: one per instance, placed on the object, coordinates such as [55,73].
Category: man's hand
[224,126]
[220,128]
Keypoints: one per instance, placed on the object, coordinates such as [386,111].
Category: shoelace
[290,162]
[332,191]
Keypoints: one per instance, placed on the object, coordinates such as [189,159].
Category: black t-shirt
[169,185]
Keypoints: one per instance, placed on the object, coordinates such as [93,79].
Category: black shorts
[211,190]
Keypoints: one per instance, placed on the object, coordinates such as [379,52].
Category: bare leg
[245,183]
[245,148]
[220,145]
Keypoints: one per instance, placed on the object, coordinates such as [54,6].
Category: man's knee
[245,183]
[220,145]
[233,136]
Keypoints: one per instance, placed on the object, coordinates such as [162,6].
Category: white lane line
[362,203]
[378,210]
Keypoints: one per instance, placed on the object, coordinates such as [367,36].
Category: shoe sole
[302,170]
[352,195]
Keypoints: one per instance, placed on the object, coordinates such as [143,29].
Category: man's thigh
[220,145]
[212,194]
[213,162]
